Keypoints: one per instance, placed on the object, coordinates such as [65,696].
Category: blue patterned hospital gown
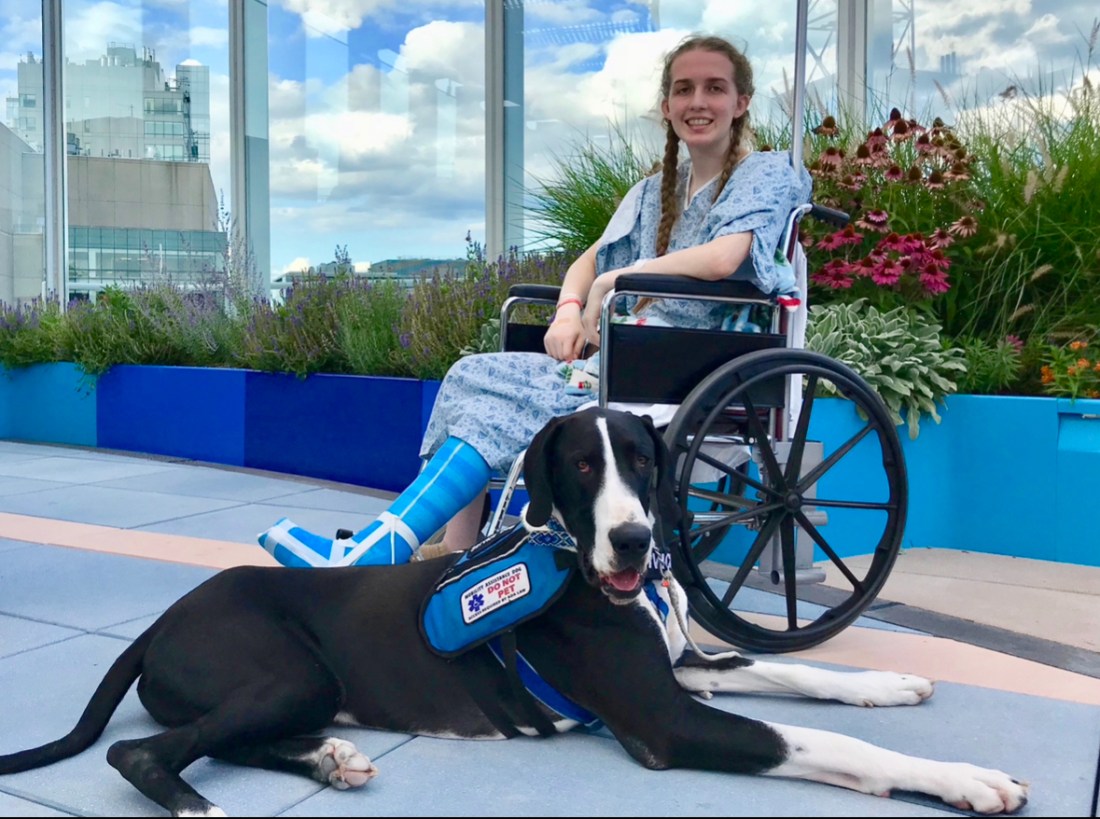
[496,402]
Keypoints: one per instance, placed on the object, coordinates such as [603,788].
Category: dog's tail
[97,713]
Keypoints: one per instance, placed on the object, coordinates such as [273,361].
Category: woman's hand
[601,287]
[564,340]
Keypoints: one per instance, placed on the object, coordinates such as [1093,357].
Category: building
[141,200]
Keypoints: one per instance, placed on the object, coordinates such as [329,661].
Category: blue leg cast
[454,476]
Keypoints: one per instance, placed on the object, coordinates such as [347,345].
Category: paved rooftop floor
[94,545]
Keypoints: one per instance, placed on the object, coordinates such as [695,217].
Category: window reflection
[377,134]
[22,183]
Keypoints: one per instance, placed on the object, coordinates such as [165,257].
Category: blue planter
[48,403]
[188,412]
[356,429]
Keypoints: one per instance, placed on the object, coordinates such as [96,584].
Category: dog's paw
[341,765]
[881,688]
[982,790]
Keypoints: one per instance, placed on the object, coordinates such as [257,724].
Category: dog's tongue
[626,580]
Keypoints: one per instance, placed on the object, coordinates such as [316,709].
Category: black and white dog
[252,665]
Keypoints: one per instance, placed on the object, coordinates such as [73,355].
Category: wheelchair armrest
[541,292]
[831,216]
[662,285]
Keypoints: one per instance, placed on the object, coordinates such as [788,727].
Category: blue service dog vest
[495,586]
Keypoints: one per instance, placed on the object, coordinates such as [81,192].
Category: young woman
[701,217]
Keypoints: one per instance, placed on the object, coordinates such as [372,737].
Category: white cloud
[559,13]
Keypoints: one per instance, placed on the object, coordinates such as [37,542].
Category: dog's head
[594,470]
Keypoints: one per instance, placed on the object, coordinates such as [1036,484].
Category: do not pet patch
[495,592]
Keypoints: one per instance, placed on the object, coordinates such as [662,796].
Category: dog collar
[552,535]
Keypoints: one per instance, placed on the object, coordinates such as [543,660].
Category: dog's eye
[641,461]
[584,466]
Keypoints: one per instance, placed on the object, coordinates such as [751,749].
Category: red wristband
[564,302]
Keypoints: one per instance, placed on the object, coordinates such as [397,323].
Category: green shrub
[29,333]
[446,313]
[573,206]
[154,324]
[898,352]
[368,318]
[991,368]
[1072,370]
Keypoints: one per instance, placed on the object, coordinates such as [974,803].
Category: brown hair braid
[739,130]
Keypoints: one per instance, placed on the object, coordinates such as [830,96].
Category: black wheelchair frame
[785,586]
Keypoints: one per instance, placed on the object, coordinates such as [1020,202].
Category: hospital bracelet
[575,301]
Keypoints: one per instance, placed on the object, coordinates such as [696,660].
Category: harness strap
[538,720]
[481,689]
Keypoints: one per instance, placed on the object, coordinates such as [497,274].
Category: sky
[376,107]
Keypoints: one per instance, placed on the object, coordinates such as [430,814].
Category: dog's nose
[630,539]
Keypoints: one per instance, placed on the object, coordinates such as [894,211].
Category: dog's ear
[668,512]
[536,474]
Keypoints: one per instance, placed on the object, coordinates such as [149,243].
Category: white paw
[982,790]
[882,688]
[342,766]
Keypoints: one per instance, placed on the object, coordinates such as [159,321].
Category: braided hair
[742,75]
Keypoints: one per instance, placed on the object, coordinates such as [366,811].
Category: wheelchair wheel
[758,532]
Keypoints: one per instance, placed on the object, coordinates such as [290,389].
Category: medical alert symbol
[494,592]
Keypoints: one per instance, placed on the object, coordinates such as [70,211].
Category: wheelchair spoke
[885,506]
[737,517]
[790,589]
[814,475]
[756,428]
[733,473]
[762,538]
[815,533]
[722,498]
[798,441]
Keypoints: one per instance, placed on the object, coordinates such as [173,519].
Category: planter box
[355,429]
[48,403]
[188,412]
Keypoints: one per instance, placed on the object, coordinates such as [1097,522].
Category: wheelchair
[787,529]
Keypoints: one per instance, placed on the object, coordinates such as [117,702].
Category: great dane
[255,664]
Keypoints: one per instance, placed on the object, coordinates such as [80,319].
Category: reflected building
[141,200]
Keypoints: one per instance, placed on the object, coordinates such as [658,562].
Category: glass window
[22,179]
[147,90]
[935,58]
[377,130]
[592,71]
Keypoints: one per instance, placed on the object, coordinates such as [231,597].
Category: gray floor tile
[89,590]
[7,544]
[206,482]
[80,470]
[98,505]
[19,634]
[19,486]
[243,523]
[14,806]
[762,602]
[336,500]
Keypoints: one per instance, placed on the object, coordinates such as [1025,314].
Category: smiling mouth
[624,583]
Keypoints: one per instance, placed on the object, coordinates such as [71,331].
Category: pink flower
[934,281]
[852,181]
[876,138]
[924,144]
[1015,341]
[863,155]
[835,275]
[895,174]
[831,158]
[941,238]
[934,181]
[831,242]
[886,273]
[965,226]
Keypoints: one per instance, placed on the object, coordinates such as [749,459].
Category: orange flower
[1092,393]
[1071,370]
[1083,363]
[1078,345]
[1097,367]
[1047,373]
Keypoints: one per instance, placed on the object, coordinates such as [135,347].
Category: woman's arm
[565,339]
[711,261]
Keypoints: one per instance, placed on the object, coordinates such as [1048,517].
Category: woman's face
[703,101]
